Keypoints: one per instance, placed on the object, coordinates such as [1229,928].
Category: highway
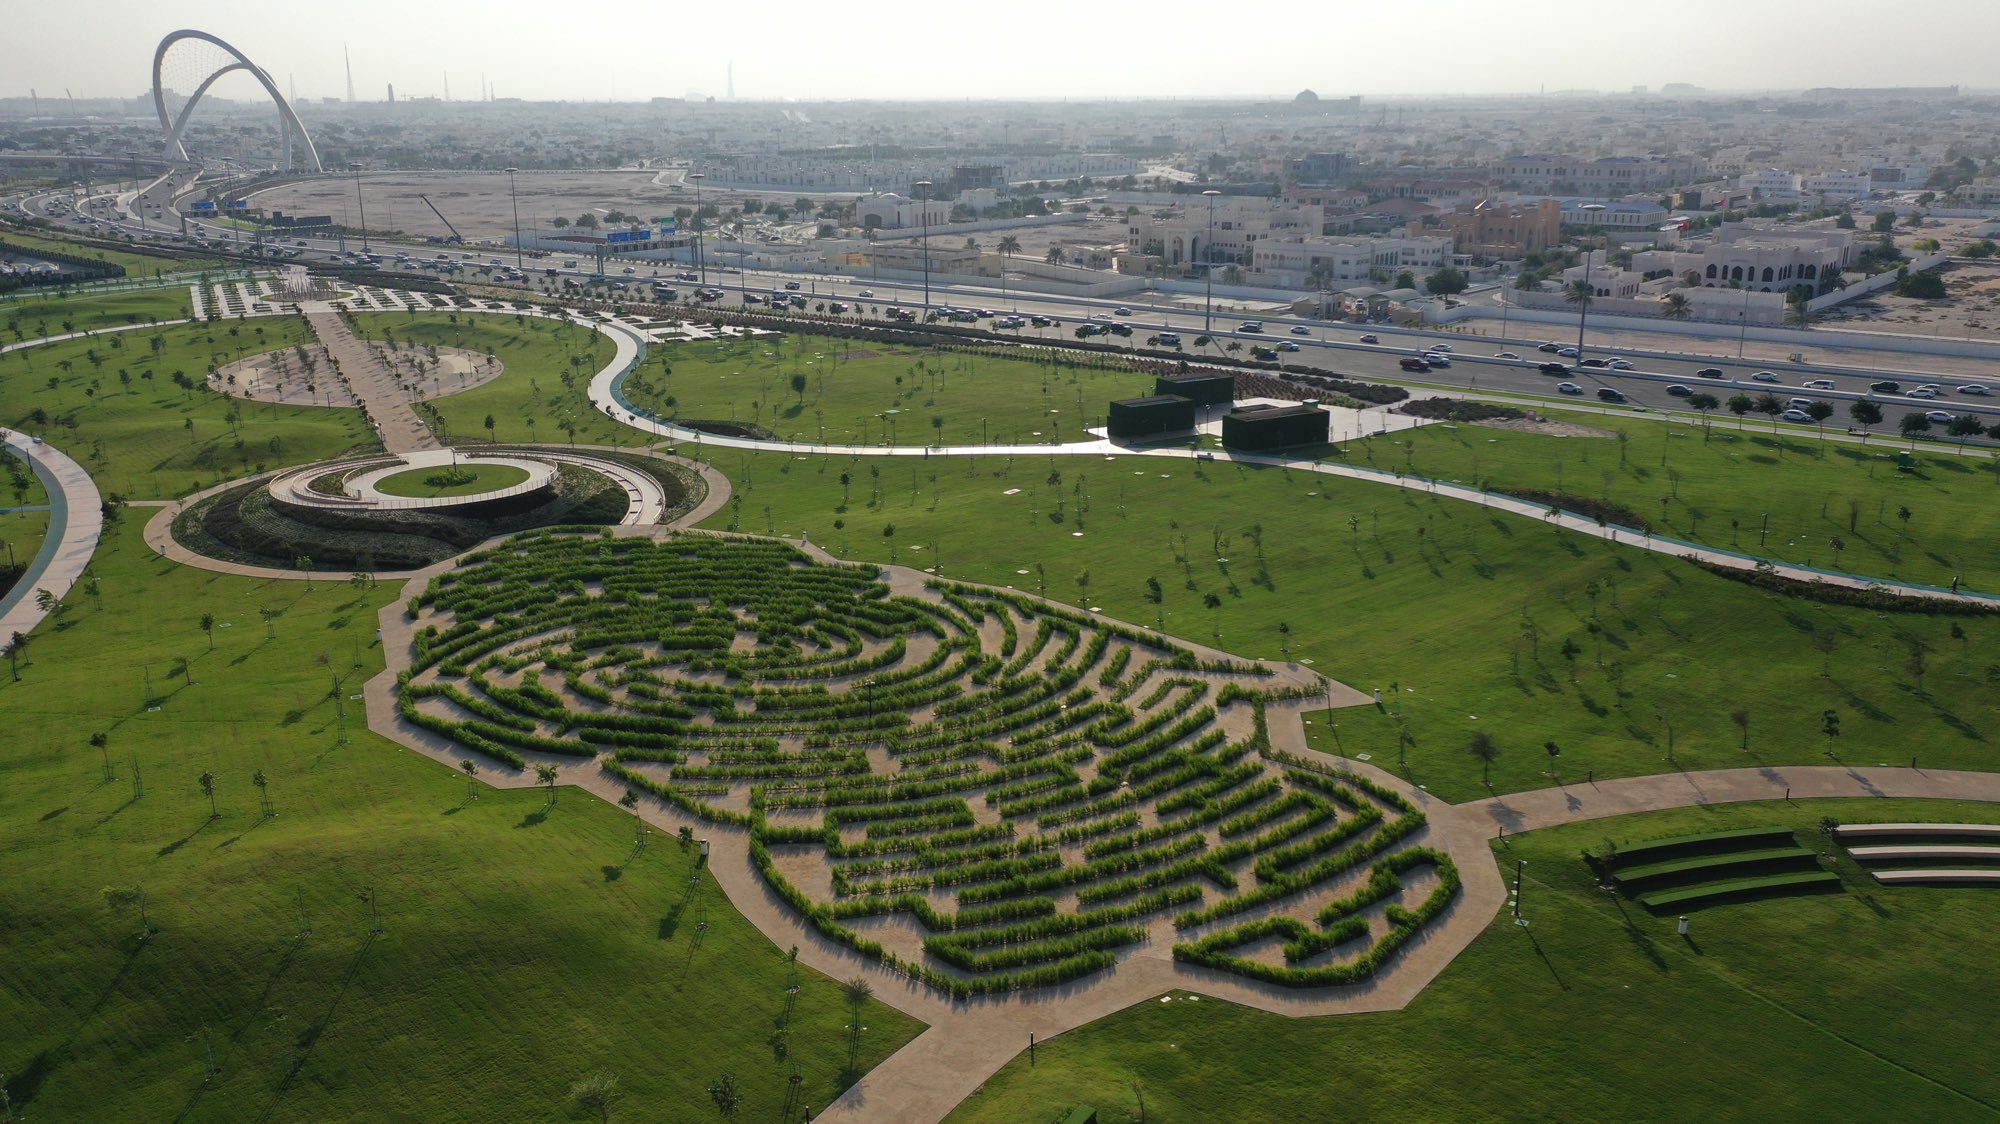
[1476,362]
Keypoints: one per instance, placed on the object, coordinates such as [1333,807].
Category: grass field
[1469,621]
[522,946]
[140,435]
[1869,1004]
[803,386]
[30,317]
[136,265]
[545,386]
[1719,491]
[480,478]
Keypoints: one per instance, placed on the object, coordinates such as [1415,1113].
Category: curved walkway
[76,521]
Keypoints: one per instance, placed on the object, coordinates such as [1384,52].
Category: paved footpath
[76,521]
[371,381]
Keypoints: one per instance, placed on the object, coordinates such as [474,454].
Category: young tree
[1484,750]
[1964,426]
[596,1093]
[1742,720]
[546,775]
[1740,404]
[471,778]
[1865,414]
[723,1092]
[15,646]
[263,784]
[1912,425]
[207,781]
[207,624]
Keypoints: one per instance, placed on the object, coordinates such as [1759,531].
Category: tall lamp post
[355,167]
[924,214]
[1208,255]
[700,265]
[516,203]
[1583,306]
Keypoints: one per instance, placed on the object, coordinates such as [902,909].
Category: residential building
[1619,214]
[1492,229]
[1181,233]
[1606,175]
[1316,168]
[1294,261]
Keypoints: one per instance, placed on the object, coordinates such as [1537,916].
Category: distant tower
[447,85]
[392,93]
[732,81]
[345,58]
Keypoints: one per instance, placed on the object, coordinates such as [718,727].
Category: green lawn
[17,477]
[801,386]
[475,478]
[522,947]
[1424,598]
[21,534]
[1871,1004]
[530,401]
[136,265]
[29,317]
[1719,491]
[148,438]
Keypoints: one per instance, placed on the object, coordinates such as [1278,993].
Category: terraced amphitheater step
[1658,850]
[1930,830]
[1653,872]
[1969,853]
[1742,887]
[1940,877]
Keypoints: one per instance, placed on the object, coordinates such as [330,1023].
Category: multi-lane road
[1478,362]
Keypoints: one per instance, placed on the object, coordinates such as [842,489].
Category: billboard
[203,206]
[236,205]
[621,236]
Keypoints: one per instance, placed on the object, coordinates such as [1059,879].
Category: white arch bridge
[290,128]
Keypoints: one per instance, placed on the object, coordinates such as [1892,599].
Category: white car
[1505,355]
[1569,388]
[867,292]
[1619,364]
[1440,347]
[1974,388]
[1819,384]
[1795,416]
[1941,417]
[1924,392]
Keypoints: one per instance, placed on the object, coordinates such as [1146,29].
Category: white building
[1296,261]
[1630,214]
[1772,185]
[1184,233]
[890,211]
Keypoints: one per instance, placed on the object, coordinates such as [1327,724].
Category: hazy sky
[795,49]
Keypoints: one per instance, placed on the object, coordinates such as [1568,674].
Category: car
[1371,339]
[1819,384]
[1941,417]
[1168,339]
[1569,388]
[1619,364]
[864,292]
[752,298]
[1795,416]
[630,270]
[1099,316]
[1923,392]
[619,285]
[1886,386]
[1412,363]
[1436,360]
[1505,355]
[1569,353]
[1929,386]
[1040,321]
[1250,327]
[1594,363]
[1764,376]
[1121,312]
[1553,369]
[1444,347]
[1798,403]
[1974,388]
[792,286]
[837,307]
[1548,347]
[1611,394]
[1680,391]
[1288,346]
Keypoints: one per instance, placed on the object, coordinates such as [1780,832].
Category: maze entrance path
[1009,816]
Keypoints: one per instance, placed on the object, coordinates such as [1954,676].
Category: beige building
[1181,234]
[1504,230]
[1293,261]
[890,211]
[1762,258]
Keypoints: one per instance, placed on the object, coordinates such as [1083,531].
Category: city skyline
[793,58]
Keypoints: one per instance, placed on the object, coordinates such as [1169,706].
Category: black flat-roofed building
[1149,417]
[1202,389]
[1274,427]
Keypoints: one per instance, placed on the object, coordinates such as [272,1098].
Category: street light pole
[700,265]
[924,214]
[360,204]
[1208,252]
[516,203]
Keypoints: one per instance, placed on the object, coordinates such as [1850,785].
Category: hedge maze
[983,791]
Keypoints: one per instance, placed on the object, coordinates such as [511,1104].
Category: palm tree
[1054,256]
[1578,294]
[1799,315]
[1675,307]
[1009,246]
[207,781]
[1484,750]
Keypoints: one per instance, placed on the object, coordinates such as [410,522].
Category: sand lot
[477,203]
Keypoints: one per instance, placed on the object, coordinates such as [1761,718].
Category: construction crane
[456,238]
